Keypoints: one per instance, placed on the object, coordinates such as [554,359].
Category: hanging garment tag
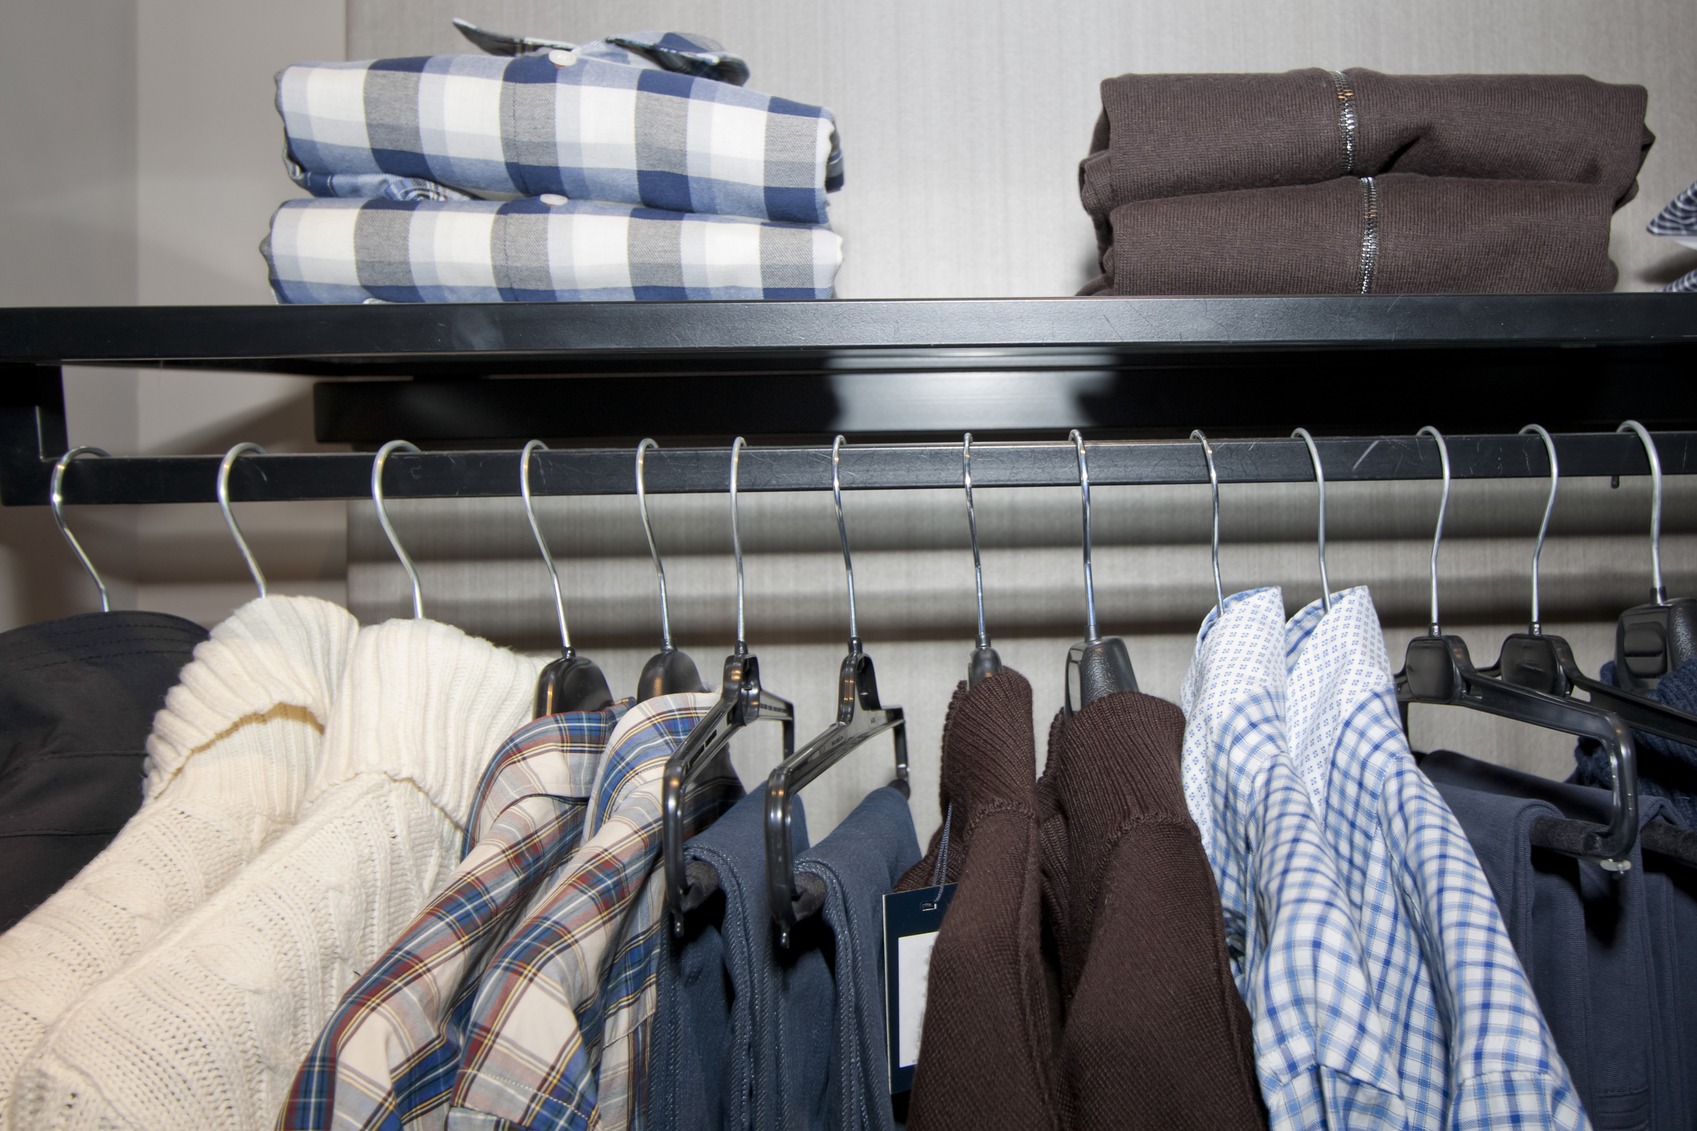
[911,921]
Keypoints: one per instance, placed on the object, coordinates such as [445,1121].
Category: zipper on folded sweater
[1369,232]
[1346,119]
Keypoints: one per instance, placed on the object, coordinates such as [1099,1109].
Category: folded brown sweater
[1155,1033]
[1179,135]
[1404,234]
[985,1052]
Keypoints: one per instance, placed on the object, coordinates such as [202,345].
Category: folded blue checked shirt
[599,123]
[1475,1051]
[534,250]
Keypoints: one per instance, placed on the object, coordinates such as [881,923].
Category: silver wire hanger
[377,463]
[56,496]
[668,671]
[572,682]
[985,660]
[1320,482]
[1214,488]
[860,716]
[1097,666]
[1652,640]
[224,466]
[742,700]
[1438,669]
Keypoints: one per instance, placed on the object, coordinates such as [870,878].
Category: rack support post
[32,431]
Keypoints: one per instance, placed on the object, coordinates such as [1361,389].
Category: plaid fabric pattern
[534,251]
[1322,1050]
[565,122]
[557,1033]
[1475,1051]
[386,1058]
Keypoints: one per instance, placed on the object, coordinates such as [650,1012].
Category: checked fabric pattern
[557,1036]
[565,122]
[535,251]
[1475,1050]
[1322,1051]
[387,1057]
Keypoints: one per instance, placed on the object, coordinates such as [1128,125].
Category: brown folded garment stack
[1354,182]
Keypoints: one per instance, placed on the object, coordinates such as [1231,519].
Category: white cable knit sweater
[205,1028]
[230,759]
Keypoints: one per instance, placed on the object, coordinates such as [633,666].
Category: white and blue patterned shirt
[1474,1049]
[1322,1050]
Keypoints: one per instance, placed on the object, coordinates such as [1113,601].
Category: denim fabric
[823,1063]
[715,983]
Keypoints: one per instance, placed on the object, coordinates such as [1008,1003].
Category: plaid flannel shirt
[536,251]
[577,123]
[1475,1050]
[386,1058]
[1322,1051]
[557,1034]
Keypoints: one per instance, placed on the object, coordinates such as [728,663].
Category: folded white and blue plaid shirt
[1323,1052]
[533,250]
[582,124]
[1475,1052]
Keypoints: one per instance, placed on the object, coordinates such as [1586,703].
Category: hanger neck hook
[1320,482]
[224,467]
[1091,634]
[56,496]
[842,533]
[1661,593]
[1438,535]
[1537,628]
[542,543]
[1213,486]
[972,525]
[653,549]
[377,463]
[737,446]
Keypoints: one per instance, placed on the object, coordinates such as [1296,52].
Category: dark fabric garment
[77,699]
[1665,768]
[716,984]
[827,1048]
[1182,135]
[1434,235]
[986,1047]
[1155,1032]
[1597,946]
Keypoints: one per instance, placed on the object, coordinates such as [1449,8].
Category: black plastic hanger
[1439,670]
[572,682]
[741,701]
[56,498]
[668,671]
[860,716]
[985,660]
[1652,640]
[1097,666]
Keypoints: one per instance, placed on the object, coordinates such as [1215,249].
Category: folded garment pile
[1678,222]
[636,167]
[1355,182]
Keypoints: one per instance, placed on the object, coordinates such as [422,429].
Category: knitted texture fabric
[1155,1033]
[985,1052]
[205,1027]
[230,761]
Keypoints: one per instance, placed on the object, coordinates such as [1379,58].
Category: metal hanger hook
[653,549]
[842,533]
[1536,628]
[1320,482]
[737,446]
[1443,505]
[1661,593]
[377,463]
[1091,634]
[1214,486]
[56,497]
[224,467]
[541,542]
[972,525]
